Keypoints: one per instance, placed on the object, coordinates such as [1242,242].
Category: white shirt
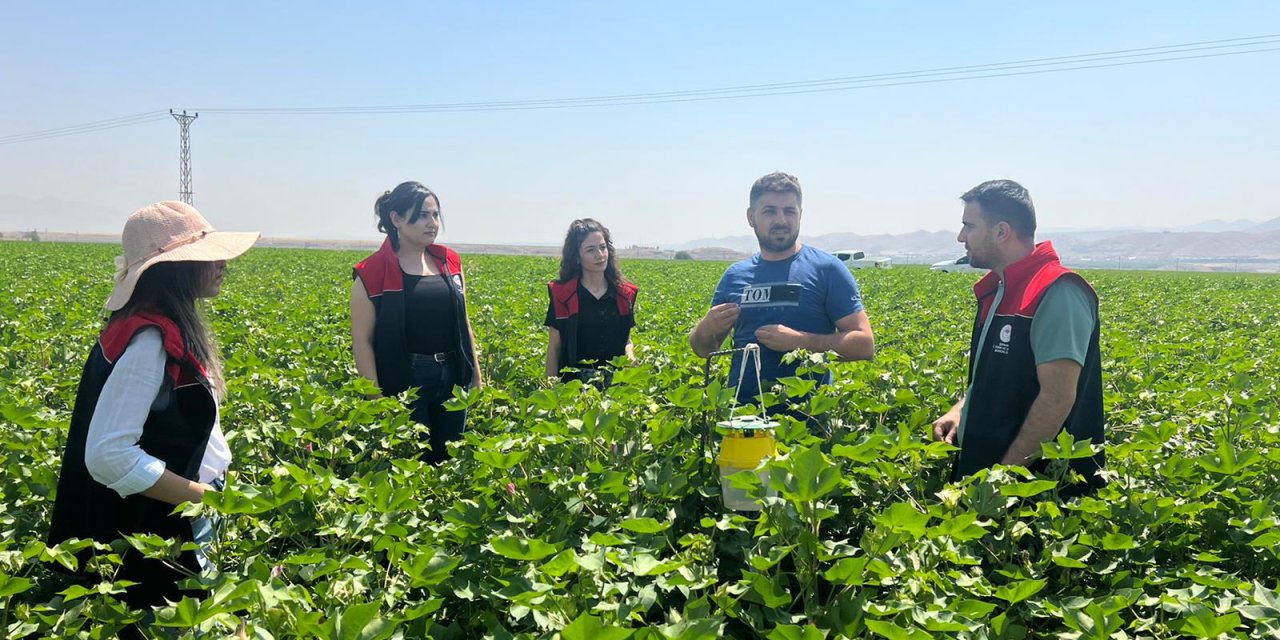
[112,453]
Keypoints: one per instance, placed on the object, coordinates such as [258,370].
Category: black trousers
[599,377]
[436,380]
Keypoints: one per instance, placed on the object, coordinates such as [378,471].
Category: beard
[773,244]
[978,260]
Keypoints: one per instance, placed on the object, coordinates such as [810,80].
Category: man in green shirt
[1034,364]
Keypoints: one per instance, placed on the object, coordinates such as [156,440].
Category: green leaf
[960,528]
[771,594]
[973,609]
[184,614]
[245,499]
[809,475]
[1265,596]
[1226,460]
[11,585]
[905,396]
[1268,540]
[500,460]
[1092,622]
[895,632]
[1027,489]
[589,627]
[847,571]
[591,561]
[1066,447]
[609,539]
[646,565]
[1008,628]
[518,548]
[424,609]
[429,566]
[867,450]
[1118,542]
[794,632]
[77,591]
[1069,562]
[692,629]
[63,555]
[905,518]
[1207,625]
[645,525]
[561,563]
[361,622]
[1016,592]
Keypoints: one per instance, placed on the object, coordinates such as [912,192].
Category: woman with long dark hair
[591,310]
[145,434]
[409,324]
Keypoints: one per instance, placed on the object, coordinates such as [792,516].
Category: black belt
[444,356]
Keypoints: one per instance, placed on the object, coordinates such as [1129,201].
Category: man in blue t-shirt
[784,298]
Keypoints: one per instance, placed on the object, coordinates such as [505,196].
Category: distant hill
[922,246]
[1194,245]
[1212,240]
[1270,225]
[917,243]
[1221,225]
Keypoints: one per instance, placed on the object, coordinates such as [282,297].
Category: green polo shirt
[1060,330]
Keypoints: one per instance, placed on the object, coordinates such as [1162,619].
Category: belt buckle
[440,357]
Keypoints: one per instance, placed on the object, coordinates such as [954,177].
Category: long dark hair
[405,199]
[171,289]
[571,265]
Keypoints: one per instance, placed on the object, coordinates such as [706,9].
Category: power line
[1166,53]
[88,127]
[663,100]
[1033,66]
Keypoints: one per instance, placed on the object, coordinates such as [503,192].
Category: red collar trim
[381,271]
[566,297]
[116,336]
[1018,274]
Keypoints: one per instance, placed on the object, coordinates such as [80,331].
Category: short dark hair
[1005,201]
[776,182]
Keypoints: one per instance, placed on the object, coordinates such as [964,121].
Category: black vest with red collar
[176,431]
[564,302]
[1005,383]
[384,282]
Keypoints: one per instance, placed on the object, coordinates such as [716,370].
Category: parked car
[855,259]
[960,264]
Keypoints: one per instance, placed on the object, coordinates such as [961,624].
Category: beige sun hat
[170,232]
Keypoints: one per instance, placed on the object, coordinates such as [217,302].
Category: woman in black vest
[409,325]
[591,309]
[144,433]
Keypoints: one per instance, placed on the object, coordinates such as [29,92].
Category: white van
[855,259]
[959,265]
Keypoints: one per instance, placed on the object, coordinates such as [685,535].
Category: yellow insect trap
[747,442]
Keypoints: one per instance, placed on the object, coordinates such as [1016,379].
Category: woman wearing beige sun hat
[144,433]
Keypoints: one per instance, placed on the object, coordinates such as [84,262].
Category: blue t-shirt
[808,292]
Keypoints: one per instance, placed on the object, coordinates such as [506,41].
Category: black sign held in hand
[771,294]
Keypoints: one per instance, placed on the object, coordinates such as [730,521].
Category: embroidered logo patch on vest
[1002,346]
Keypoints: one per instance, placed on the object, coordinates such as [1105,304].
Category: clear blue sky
[1160,144]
